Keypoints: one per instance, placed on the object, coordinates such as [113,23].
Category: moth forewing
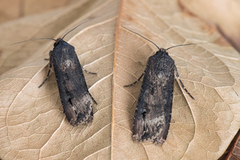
[153,111]
[74,94]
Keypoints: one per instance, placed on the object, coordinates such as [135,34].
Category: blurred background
[13,9]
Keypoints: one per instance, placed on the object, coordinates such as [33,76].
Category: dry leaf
[200,128]
[13,9]
[33,126]
[32,123]
[233,150]
[223,13]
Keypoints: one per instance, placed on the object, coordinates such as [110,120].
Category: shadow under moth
[154,107]
[75,97]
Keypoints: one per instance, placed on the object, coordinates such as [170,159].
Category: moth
[75,98]
[154,107]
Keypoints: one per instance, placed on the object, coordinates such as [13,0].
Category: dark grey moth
[75,98]
[154,107]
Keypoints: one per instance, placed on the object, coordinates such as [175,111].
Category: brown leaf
[233,150]
[200,128]
[33,126]
[13,9]
[222,13]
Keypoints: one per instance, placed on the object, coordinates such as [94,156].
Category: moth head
[57,41]
[161,52]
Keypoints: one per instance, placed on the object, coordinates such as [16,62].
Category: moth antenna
[141,36]
[186,45]
[78,26]
[53,38]
[34,39]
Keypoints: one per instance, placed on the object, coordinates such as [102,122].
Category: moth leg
[46,59]
[93,98]
[88,71]
[177,75]
[134,82]
[49,71]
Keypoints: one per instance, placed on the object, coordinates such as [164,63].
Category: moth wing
[79,98]
[74,94]
[153,111]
